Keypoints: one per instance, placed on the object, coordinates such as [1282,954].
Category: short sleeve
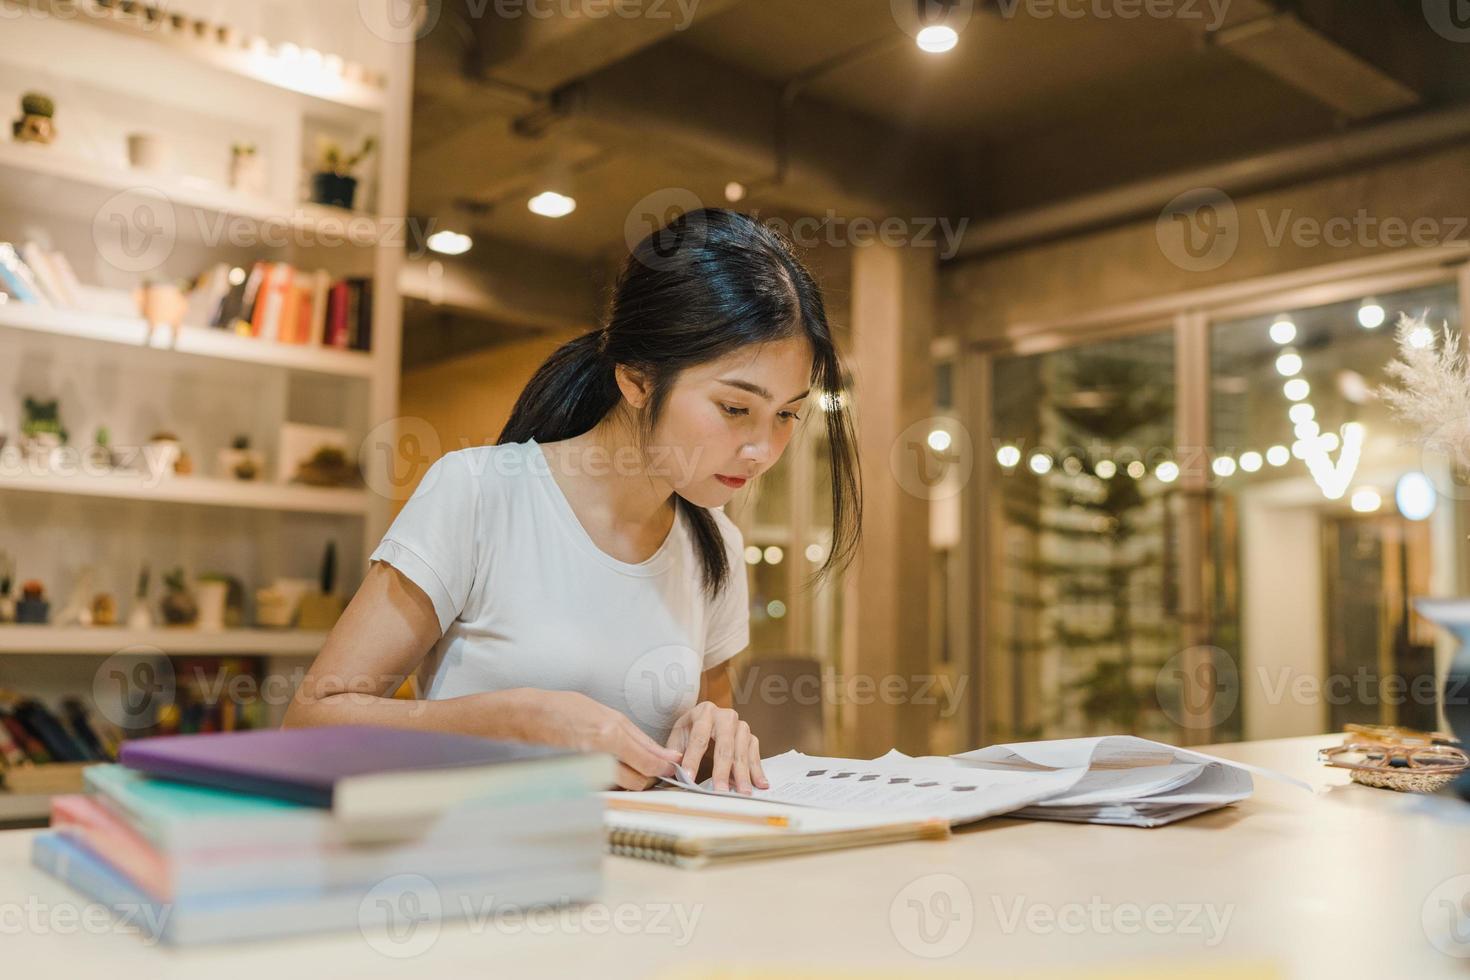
[432,541]
[728,630]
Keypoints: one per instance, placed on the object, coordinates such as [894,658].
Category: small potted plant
[247,168]
[178,605]
[37,119]
[333,183]
[240,461]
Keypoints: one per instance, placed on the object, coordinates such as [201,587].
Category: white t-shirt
[525,598]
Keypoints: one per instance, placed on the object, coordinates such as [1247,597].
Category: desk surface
[1284,884]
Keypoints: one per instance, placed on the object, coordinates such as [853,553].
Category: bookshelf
[278,76]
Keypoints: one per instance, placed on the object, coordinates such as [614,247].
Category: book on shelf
[17,279]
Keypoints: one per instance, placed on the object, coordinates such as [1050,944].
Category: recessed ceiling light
[448,242]
[1283,331]
[550,204]
[1371,315]
[734,191]
[937,38]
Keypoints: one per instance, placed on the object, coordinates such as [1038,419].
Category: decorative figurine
[161,304]
[240,461]
[247,169]
[104,609]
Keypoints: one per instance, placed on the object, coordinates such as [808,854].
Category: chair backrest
[781,699]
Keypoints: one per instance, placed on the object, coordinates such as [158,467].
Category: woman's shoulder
[488,470]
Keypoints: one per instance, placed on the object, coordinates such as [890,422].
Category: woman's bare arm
[386,630]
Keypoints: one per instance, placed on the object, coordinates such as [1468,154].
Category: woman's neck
[603,474]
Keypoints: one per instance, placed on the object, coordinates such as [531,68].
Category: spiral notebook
[699,837]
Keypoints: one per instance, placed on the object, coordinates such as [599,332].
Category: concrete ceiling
[825,105]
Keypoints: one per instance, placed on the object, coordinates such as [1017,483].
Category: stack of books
[276,301]
[242,835]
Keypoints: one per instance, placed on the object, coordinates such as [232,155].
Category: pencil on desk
[764,820]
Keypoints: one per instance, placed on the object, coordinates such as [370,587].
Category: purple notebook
[304,764]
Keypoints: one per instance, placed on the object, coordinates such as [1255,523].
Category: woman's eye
[732,410]
[791,416]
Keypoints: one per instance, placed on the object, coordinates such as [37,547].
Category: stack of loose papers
[1118,779]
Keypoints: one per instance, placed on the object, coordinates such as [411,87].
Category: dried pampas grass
[1433,390]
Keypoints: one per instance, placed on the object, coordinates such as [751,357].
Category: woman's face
[728,421]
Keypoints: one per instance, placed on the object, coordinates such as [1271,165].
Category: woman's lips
[735,482]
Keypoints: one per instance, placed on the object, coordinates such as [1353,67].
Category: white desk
[1312,886]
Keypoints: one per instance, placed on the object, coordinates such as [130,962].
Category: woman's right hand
[574,720]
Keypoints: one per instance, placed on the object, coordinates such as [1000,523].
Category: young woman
[578,583]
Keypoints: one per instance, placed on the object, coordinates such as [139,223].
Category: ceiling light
[937,38]
[1278,455]
[448,242]
[1008,456]
[1296,389]
[1167,472]
[938,440]
[1106,469]
[1040,463]
[1301,412]
[1251,461]
[1223,466]
[734,191]
[1136,469]
[1421,337]
[1370,315]
[550,204]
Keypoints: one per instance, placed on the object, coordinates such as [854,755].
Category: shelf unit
[111,75]
[107,640]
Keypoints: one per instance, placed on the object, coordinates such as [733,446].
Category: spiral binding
[650,845]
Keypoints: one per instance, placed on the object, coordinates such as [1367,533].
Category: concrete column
[887,610]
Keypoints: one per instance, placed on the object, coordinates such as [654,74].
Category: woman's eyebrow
[756,389]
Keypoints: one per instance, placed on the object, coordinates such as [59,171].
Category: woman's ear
[633,385]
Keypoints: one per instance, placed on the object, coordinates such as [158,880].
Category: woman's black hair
[709,282]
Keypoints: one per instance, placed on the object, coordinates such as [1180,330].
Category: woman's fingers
[741,767]
[700,730]
[757,774]
[642,753]
[724,735]
[627,778]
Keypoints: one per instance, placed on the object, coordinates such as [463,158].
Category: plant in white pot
[1431,394]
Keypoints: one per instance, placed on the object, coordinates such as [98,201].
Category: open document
[1118,779]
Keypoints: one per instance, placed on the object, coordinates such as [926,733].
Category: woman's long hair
[709,282]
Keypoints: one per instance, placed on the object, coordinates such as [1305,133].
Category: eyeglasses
[1397,758]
